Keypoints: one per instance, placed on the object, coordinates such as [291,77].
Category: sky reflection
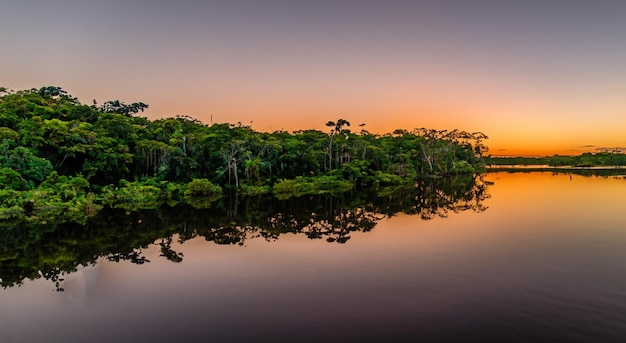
[543,262]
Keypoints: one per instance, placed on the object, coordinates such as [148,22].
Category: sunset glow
[539,78]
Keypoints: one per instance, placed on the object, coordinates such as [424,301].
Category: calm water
[536,257]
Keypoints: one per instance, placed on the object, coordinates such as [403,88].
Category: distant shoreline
[527,167]
[587,161]
[600,171]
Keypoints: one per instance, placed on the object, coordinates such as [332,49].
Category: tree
[52,91]
[337,128]
[116,106]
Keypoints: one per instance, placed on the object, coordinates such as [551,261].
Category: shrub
[202,187]
[386,179]
[312,185]
[11,179]
[252,190]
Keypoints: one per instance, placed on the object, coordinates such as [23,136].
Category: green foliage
[15,213]
[67,157]
[171,193]
[23,160]
[310,185]
[202,193]
[132,196]
[116,106]
[11,179]
[587,159]
[7,133]
[11,205]
[387,179]
[253,190]
[202,187]
[463,167]
[298,185]
[493,160]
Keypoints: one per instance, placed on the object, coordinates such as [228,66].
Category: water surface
[541,259]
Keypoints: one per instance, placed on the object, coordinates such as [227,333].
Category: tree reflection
[133,256]
[30,251]
[601,171]
[168,252]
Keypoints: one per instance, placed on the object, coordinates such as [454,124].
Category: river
[516,257]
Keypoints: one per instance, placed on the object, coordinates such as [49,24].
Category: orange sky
[539,78]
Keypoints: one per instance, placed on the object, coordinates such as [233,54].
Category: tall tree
[337,128]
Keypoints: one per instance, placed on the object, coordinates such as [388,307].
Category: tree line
[54,150]
[583,160]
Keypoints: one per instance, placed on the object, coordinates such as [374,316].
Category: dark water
[515,257]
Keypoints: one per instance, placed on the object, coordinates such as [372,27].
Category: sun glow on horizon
[554,87]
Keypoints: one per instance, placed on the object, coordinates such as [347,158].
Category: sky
[538,77]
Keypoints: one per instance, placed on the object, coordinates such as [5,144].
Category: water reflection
[543,264]
[603,171]
[29,251]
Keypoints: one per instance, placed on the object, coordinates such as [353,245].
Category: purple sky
[536,76]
